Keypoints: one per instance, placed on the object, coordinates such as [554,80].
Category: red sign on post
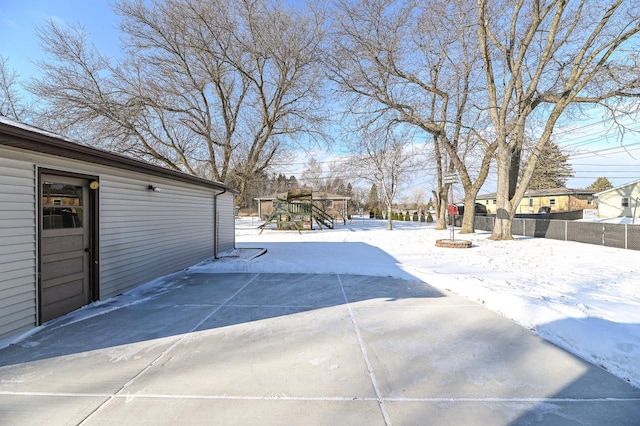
[452,209]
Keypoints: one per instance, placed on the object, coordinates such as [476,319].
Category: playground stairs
[321,217]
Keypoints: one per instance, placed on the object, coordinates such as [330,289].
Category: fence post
[626,234]
[566,233]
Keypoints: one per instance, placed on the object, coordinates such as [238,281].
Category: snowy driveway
[306,349]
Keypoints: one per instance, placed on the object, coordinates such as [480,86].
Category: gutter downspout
[215,223]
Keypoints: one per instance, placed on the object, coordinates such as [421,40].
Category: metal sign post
[452,210]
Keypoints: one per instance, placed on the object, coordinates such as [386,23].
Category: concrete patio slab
[47,409]
[284,354]
[314,291]
[208,412]
[515,412]
[363,291]
[202,289]
[107,349]
[471,352]
[280,349]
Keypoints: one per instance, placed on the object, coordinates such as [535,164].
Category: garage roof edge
[23,136]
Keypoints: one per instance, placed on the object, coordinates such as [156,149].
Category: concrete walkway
[285,349]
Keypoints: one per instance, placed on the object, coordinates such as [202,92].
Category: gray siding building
[78,224]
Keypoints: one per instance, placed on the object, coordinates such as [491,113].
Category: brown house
[554,199]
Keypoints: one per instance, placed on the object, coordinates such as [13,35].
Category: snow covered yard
[582,297]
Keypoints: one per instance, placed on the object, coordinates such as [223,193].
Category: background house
[556,199]
[621,201]
[78,224]
[333,204]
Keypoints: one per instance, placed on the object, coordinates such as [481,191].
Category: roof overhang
[21,136]
[542,193]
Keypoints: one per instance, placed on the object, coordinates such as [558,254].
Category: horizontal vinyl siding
[145,234]
[226,222]
[17,246]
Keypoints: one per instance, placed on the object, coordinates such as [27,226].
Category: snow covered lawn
[582,297]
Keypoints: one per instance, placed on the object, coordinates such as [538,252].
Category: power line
[605,165]
[605,151]
[602,132]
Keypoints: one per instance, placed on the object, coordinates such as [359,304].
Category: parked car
[479,210]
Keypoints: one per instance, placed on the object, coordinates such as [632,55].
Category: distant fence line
[603,234]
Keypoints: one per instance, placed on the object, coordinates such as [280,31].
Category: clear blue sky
[20,18]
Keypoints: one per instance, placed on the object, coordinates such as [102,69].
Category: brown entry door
[65,225]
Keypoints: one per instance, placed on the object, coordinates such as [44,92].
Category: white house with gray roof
[621,201]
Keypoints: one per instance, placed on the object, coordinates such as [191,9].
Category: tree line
[225,90]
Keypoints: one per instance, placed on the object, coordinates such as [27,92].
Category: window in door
[62,206]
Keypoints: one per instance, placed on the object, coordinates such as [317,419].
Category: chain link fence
[624,236]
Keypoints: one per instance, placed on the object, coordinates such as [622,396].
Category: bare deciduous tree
[359,197]
[382,157]
[542,58]
[417,62]
[312,175]
[213,88]
[11,104]
[417,196]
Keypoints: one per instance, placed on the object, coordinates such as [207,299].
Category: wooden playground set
[297,212]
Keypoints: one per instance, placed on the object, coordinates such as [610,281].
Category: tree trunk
[441,208]
[504,210]
[242,187]
[514,171]
[469,213]
[389,218]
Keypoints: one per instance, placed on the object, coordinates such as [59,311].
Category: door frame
[92,228]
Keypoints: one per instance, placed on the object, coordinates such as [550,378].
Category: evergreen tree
[292,183]
[281,183]
[373,197]
[349,191]
[352,202]
[336,186]
[429,217]
[599,185]
[552,169]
